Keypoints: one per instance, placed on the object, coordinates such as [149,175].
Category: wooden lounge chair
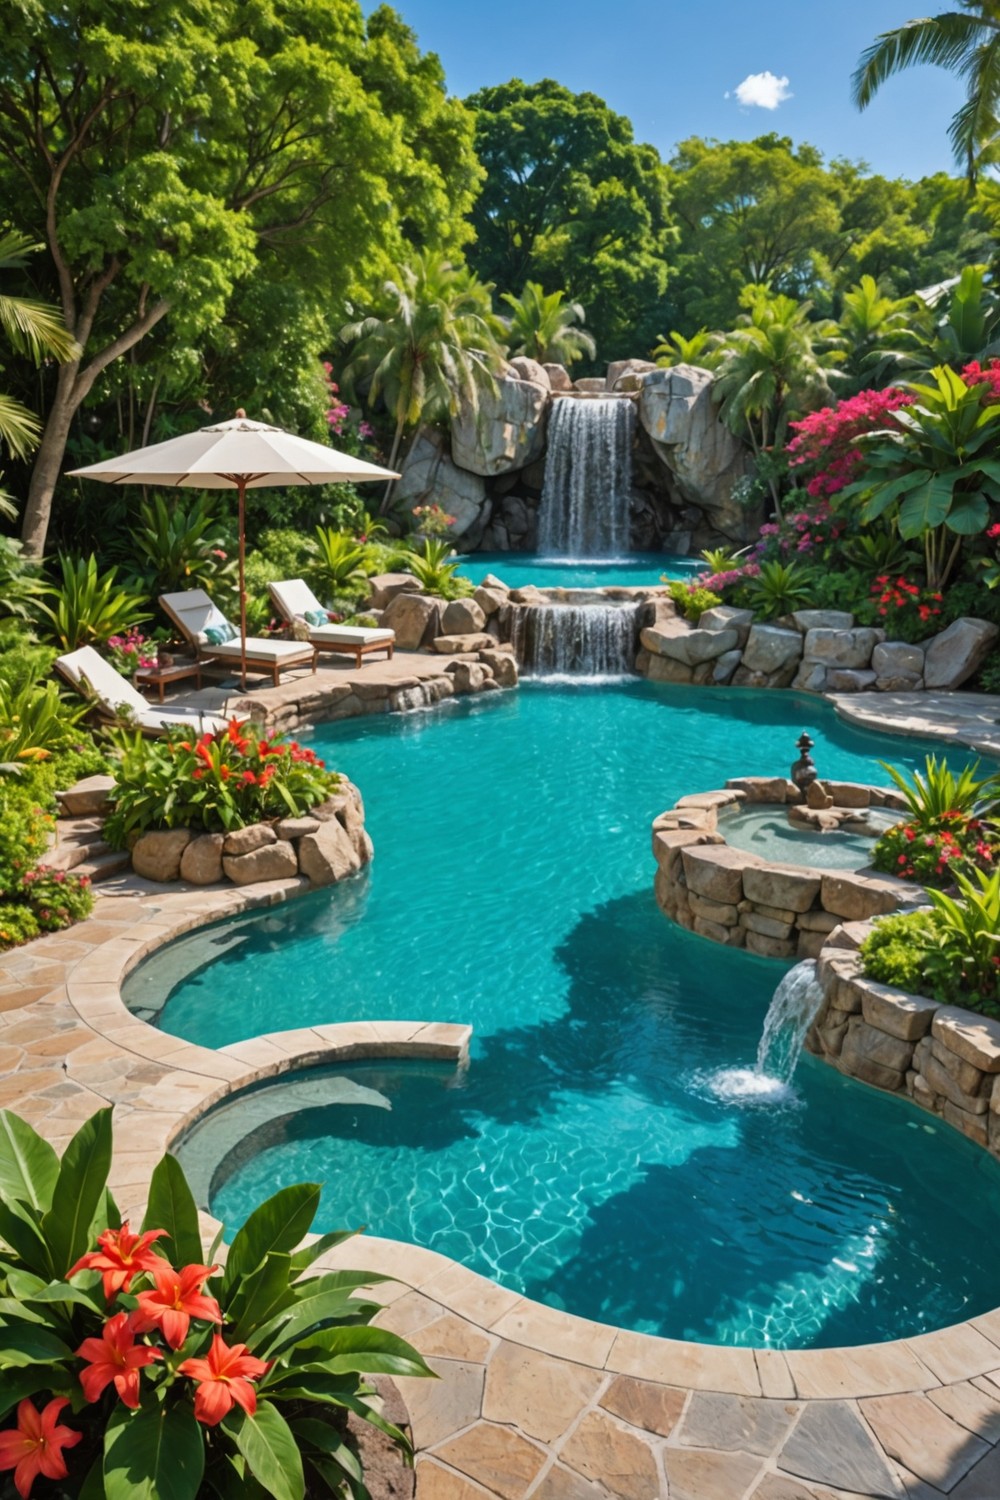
[198,619]
[96,679]
[298,605]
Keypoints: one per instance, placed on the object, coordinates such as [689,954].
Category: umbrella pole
[241,486]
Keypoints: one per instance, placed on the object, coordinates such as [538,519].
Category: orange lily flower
[177,1299]
[122,1256]
[223,1380]
[115,1356]
[35,1446]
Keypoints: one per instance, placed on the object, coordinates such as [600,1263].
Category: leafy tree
[543,327]
[431,346]
[931,473]
[170,167]
[571,200]
[771,370]
[881,336]
[966,41]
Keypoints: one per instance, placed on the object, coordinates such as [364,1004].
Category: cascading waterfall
[576,640]
[584,511]
[791,1012]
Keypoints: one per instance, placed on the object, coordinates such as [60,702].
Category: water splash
[791,1012]
[595,641]
[588,479]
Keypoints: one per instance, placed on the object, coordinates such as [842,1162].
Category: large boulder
[559,377]
[623,374]
[274,861]
[957,653]
[770,648]
[529,369]
[684,644]
[201,860]
[705,458]
[329,854]
[506,430]
[416,619]
[430,477]
[462,617]
[246,840]
[157,855]
[385,586]
[842,648]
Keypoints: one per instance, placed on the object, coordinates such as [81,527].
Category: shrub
[432,520]
[934,850]
[908,612]
[692,599]
[90,606]
[895,951]
[826,441]
[18,924]
[965,963]
[36,721]
[180,1379]
[33,898]
[216,783]
[436,575]
[128,652]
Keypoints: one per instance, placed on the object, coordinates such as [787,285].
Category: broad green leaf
[278,1224]
[334,1475]
[16,1384]
[303,1258]
[155,1453]
[271,1452]
[969,515]
[171,1206]
[25,1238]
[30,1344]
[78,1192]
[883,495]
[261,1295]
[28,1165]
[369,1351]
[925,508]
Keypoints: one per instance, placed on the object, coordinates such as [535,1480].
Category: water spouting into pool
[791,1012]
[596,641]
[588,479]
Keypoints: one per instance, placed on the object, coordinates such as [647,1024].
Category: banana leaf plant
[131,1365]
[937,474]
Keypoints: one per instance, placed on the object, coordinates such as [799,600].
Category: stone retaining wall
[815,650]
[325,845]
[943,1057]
[743,901]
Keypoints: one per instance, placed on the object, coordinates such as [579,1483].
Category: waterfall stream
[588,479]
[595,641]
[793,1007]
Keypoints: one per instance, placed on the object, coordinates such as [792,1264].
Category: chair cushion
[259,649]
[351,635]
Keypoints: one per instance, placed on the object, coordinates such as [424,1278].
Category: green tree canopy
[209,147]
[573,202]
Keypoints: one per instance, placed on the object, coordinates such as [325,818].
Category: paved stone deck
[971,719]
[531,1402]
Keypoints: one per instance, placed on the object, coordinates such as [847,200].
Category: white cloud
[763,90]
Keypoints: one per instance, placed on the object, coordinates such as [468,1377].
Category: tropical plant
[33,898]
[967,956]
[180,548]
[338,564]
[35,330]
[878,549]
[778,589]
[967,329]
[19,585]
[934,850]
[435,574]
[881,336]
[176,1379]
[824,451]
[932,473]
[770,369]
[701,349]
[547,328]
[721,560]
[431,350]
[692,599]
[36,720]
[214,783]
[936,791]
[965,41]
[89,606]
[895,951]
[907,611]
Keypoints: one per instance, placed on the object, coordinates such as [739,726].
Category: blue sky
[669,64]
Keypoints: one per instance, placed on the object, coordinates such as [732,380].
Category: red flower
[35,1446]
[224,1379]
[122,1257]
[177,1299]
[115,1356]
[248,778]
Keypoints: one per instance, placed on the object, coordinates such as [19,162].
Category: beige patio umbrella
[238,455]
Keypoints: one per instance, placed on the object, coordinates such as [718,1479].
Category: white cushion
[350,635]
[259,649]
[293,596]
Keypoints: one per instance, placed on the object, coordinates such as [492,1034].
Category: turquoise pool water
[518,569]
[593,1155]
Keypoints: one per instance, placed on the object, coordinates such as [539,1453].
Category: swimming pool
[585,1158]
[520,569]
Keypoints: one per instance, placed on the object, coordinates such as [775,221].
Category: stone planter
[323,846]
[743,901]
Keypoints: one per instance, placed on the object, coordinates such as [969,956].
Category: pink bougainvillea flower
[122,1256]
[115,1356]
[177,1298]
[36,1445]
[224,1380]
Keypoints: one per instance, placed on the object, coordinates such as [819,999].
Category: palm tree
[543,327]
[771,370]
[701,349]
[967,41]
[433,350]
[33,329]
[881,336]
